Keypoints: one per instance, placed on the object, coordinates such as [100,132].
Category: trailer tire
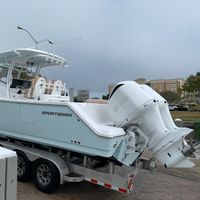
[23,167]
[46,176]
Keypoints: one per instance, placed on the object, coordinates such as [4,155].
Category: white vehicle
[63,141]
[173,107]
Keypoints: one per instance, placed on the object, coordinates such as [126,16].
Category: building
[83,95]
[71,94]
[140,81]
[162,85]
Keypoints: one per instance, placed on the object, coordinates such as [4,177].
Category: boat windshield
[3,74]
[22,77]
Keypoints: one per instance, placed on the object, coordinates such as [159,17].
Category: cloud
[120,39]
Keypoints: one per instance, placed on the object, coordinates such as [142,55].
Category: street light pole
[35,41]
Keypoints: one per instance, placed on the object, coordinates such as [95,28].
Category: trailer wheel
[23,167]
[45,175]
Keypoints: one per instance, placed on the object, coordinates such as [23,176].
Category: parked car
[173,107]
[182,108]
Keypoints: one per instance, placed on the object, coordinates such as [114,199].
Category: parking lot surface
[165,184]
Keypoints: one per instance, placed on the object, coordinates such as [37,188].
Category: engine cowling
[131,104]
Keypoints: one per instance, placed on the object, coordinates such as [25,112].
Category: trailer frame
[74,167]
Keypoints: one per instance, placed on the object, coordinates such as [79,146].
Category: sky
[120,39]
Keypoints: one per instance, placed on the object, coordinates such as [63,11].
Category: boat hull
[55,125]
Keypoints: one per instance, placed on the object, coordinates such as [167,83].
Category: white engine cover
[126,100]
[132,104]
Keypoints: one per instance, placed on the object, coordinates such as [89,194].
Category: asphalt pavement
[165,184]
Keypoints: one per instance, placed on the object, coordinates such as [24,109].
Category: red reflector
[94,181]
[107,185]
[122,190]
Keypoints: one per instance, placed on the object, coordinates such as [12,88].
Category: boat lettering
[57,114]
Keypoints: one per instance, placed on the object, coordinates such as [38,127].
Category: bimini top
[30,58]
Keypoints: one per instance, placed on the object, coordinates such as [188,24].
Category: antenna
[35,41]
[63,41]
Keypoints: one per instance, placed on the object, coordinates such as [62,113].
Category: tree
[192,85]
[171,97]
[105,97]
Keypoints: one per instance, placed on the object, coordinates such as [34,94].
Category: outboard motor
[132,105]
[164,110]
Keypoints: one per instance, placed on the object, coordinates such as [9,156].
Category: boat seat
[55,87]
[37,88]
[48,88]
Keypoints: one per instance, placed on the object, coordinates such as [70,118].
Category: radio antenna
[63,41]
[34,40]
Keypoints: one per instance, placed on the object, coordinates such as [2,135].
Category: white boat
[38,110]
